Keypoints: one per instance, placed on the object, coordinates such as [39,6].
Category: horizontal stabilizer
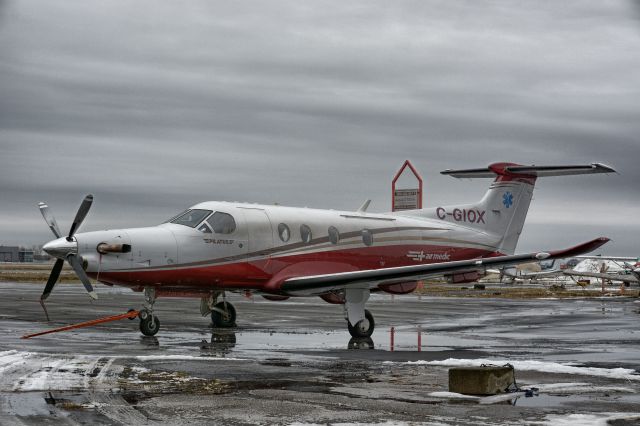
[510,169]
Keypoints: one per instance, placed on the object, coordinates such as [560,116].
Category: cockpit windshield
[191,218]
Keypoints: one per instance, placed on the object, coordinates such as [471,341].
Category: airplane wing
[630,278]
[318,284]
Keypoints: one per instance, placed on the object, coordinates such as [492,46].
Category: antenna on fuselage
[363,208]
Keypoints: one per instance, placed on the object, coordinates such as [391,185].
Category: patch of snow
[547,367]
[182,358]
[599,419]
[493,399]
[452,395]
[578,388]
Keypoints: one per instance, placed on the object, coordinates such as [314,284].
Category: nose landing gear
[149,323]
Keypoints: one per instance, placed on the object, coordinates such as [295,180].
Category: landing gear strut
[149,323]
[359,320]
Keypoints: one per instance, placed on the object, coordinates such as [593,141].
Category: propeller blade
[82,213]
[48,217]
[53,279]
[76,264]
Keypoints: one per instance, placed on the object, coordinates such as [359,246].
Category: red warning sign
[406,198]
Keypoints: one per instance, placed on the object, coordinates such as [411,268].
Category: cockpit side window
[174,217]
[222,223]
[204,228]
[191,218]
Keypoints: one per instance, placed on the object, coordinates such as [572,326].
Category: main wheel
[363,328]
[150,325]
[223,315]
[360,343]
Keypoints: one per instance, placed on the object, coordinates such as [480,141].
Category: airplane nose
[61,248]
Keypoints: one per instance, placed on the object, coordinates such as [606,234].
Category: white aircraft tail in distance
[280,252]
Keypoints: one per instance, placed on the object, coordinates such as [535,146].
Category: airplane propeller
[65,248]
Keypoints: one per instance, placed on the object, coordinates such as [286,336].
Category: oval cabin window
[305,234]
[367,237]
[334,235]
[283,232]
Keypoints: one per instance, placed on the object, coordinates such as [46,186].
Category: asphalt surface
[294,362]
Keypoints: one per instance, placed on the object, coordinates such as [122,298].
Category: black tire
[360,343]
[149,328]
[359,332]
[226,319]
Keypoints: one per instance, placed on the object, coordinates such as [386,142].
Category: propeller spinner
[66,248]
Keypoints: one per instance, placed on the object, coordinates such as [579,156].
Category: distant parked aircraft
[529,272]
[610,268]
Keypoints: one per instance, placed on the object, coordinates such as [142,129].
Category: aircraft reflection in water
[360,343]
[222,342]
[282,252]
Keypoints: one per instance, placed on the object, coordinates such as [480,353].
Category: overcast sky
[154,106]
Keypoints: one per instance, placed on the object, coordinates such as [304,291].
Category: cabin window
[284,232]
[334,235]
[305,234]
[222,223]
[191,218]
[367,237]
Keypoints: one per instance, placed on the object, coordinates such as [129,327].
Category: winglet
[580,248]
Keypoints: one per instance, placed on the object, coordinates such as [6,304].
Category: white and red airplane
[280,252]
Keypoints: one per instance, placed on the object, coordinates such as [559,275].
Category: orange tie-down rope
[130,315]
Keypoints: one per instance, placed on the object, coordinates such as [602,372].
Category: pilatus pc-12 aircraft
[281,252]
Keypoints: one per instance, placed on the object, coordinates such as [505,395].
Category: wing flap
[317,284]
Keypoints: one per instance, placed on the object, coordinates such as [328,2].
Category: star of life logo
[420,256]
[507,199]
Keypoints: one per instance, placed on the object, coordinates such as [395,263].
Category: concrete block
[487,380]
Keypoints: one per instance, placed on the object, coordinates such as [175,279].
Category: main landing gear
[223,314]
[359,320]
[149,323]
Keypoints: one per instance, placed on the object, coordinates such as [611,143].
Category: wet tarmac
[294,361]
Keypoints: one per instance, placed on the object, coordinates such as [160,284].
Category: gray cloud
[154,106]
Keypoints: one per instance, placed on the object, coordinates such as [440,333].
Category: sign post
[408,198]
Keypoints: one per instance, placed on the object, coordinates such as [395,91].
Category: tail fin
[504,207]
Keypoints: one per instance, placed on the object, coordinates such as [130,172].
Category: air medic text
[462,215]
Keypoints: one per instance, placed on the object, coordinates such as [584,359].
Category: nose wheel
[149,323]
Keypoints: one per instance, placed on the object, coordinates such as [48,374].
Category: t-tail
[504,207]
